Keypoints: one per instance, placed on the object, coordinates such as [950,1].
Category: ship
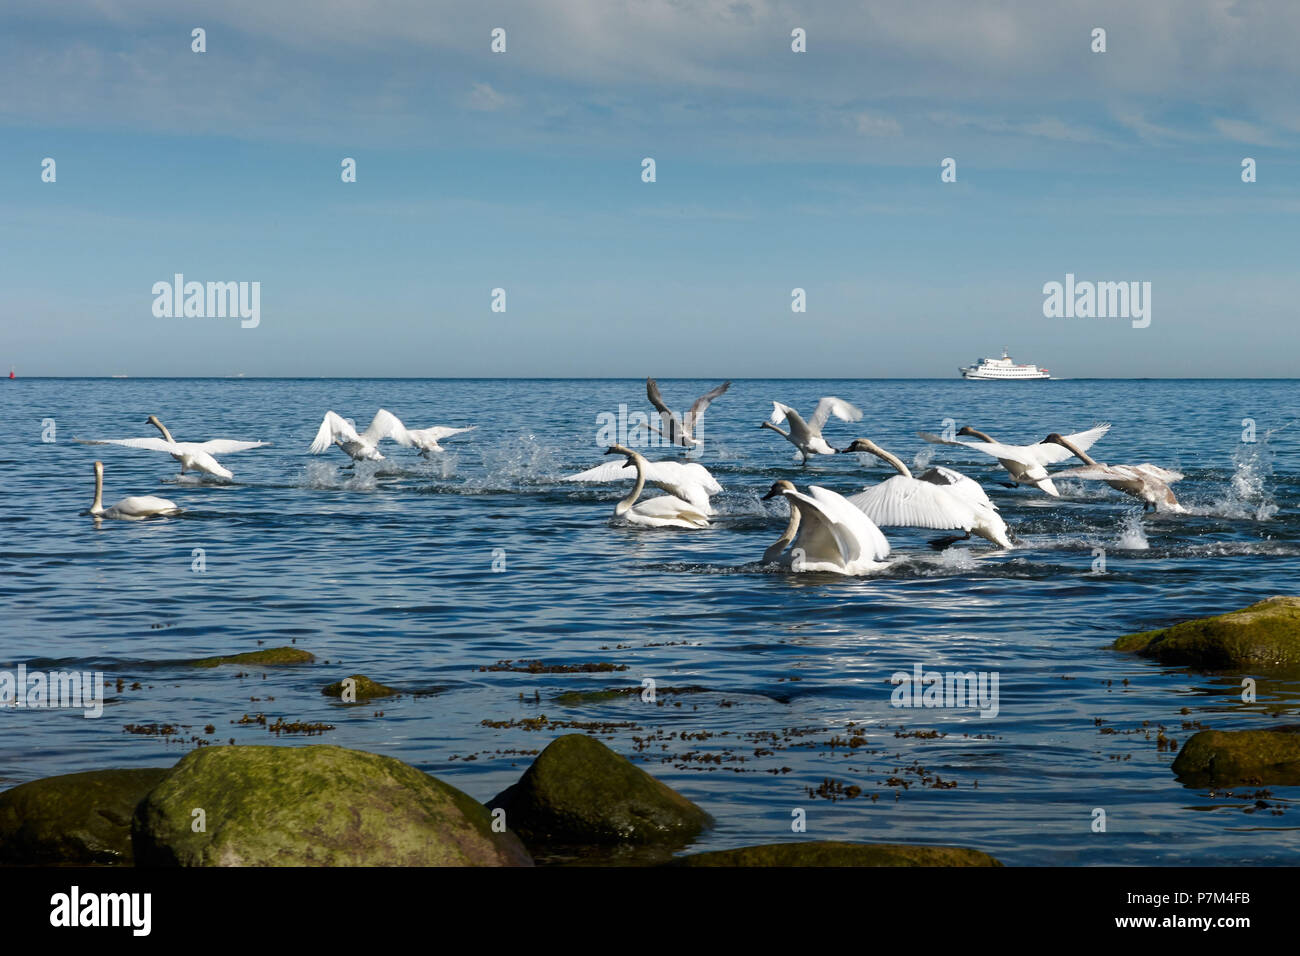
[1004,369]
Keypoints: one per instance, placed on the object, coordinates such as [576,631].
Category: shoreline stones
[1264,636]
[313,806]
[74,818]
[1231,757]
[838,853]
[579,792]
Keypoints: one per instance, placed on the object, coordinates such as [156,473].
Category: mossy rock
[366,689]
[1231,757]
[74,818]
[578,791]
[313,806]
[1264,636]
[270,657]
[836,853]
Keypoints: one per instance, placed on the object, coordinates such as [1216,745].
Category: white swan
[940,498]
[128,509]
[807,436]
[193,455]
[826,533]
[1147,482]
[681,429]
[426,439]
[665,511]
[688,481]
[1025,463]
[362,447]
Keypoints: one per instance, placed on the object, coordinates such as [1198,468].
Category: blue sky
[521,170]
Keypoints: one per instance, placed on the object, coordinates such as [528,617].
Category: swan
[939,498]
[1148,482]
[688,481]
[128,509]
[807,436]
[362,447]
[681,429]
[665,511]
[193,455]
[426,439]
[826,533]
[1025,463]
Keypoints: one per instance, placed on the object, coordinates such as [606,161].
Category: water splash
[514,463]
[1132,536]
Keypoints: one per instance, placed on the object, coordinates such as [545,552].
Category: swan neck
[98,505]
[791,529]
[1077,452]
[983,436]
[895,461]
[630,500]
[775,429]
[166,434]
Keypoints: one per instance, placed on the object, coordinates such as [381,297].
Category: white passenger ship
[1004,369]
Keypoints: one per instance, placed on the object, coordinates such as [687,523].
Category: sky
[775,170]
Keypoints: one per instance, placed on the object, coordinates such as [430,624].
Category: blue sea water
[387,569]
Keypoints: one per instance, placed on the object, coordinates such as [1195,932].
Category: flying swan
[1147,482]
[664,511]
[426,439]
[807,436]
[193,455]
[826,533]
[362,447]
[940,498]
[688,481]
[128,509]
[1025,463]
[681,429]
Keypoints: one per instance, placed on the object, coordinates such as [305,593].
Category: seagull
[193,456]
[826,533]
[681,430]
[938,498]
[1025,463]
[807,436]
[1147,482]
[362,447]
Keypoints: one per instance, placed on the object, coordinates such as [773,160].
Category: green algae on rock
[578,791]
[270,657]
[313,806]
[363,688]
[1264,636]
[837,853]
[1230,757]
[74,818]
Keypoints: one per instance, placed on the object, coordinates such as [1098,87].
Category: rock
[74,818]
[835,853]
[578,791]
[313,806]
[365,688]
[271,657]
[1264,636]
[1230,757]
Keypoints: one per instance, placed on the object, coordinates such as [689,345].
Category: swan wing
[817,537]
[143,505]
[669,506]
[657,400]
[332,426]
[386,425]
[1158,473]
[1050,453]
[1118,475]
[859,535]
[964,487]
[150,444]
[703,402]
[781,412]
[436,433]
[226,446]
[830,405]
[673,477]
[912,503]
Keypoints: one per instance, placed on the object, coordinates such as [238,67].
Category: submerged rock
[365,688]
[74,818]
[270,657]
[1264,636]
[1230,757]
[313,806]
[578,791]
[836,853]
